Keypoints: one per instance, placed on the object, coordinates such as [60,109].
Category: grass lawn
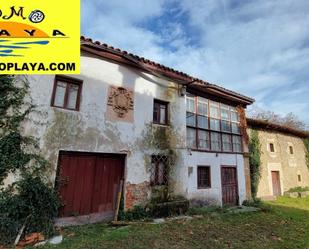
[301,203]
[284,224]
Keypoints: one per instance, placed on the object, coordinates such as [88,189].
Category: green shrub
[155,210]
[298,189]
[136,213]
[256,202]
[28,201]
[254,161]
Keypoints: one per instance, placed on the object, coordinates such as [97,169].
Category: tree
[289,120]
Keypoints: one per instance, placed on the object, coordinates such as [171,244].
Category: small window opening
[160,112]
[271,147]
[291,150]
[203,177]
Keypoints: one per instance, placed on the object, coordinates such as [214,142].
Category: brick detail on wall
[136,194]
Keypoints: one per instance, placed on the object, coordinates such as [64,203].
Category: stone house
[283,158]
[127,118]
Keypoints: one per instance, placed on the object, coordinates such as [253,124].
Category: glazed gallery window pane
[227,142]
[202,106]
[191,138]
[234,116]
[191,119]
[214,110]
[202,122]
[203,140]
[215,124]
[190,103]
[225,113]
[237,146]
[215,141]
[235,128]
[226,126]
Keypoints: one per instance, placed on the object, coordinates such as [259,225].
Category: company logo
[35,16]
[39,32]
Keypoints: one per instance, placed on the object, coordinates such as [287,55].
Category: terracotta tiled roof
[266,125]
[157,69]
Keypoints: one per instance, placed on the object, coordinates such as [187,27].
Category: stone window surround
[268,142]
[288,149]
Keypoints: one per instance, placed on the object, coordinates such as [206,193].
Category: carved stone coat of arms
[120,104]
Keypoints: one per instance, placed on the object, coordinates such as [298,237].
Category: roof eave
[264,124]
[104,51]
[218,91]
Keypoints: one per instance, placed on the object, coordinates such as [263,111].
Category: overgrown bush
[256,202]
[254,161]
[16,150]
[31,202]
[298,189]
[155,210]
[136,213]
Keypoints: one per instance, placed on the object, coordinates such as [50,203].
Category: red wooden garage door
[229,186]
[88,183]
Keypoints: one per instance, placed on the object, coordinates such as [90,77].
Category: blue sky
[258,48]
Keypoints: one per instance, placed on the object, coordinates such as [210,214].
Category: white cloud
[260,48]
[115,22]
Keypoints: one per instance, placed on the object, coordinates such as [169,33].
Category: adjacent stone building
[283,157]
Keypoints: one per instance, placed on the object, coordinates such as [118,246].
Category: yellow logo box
[40,37]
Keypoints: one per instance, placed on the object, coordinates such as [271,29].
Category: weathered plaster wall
[288,165]
[88,130]
[213,195]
